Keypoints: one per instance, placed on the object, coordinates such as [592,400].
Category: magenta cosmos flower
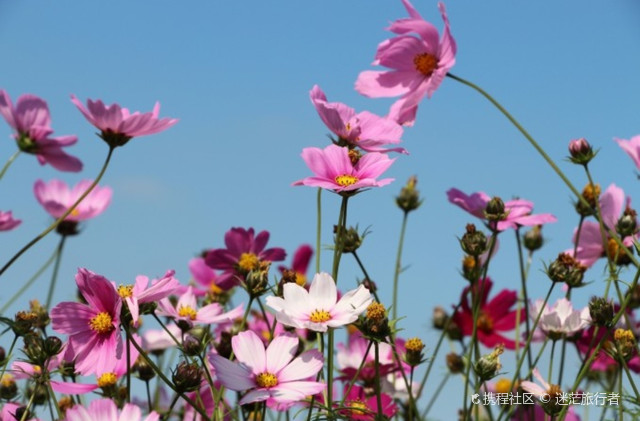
[31,120]
[7,221]
[335,171]
[518,211]
[365,130]
[93,328]
[107,410]
[244,252]
[364,407]
[319,308]
[495,315]
[269,374]
[118,125]
[141,292]
[419,64]
[631,147]
[56,198]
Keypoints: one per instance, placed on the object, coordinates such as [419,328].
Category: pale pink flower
[335,171]
[93,328]
[351,355]
[269,374]
[518,211]
[9,411]
[208,281]
[631,147]
[319,308]
[107,410]
[118,125]
[56,198]
[419,64]
[160,339]
[140,292]
[364,130]
[559,319]
[7,221]
[31,120]
[186,309]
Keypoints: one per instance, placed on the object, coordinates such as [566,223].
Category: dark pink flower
[364,407]
[243,253]
[365,130]
[495,316]
[419,64]
[118,125]
[351,355]
[334,169]
[31,120]
[7,221]
[93,328]
[141,292]
[206,278]
[56,198]
[518,211]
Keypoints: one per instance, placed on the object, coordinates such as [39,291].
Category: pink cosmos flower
[631,147]
[263,328]
[186,309]
[204,399]
[351,355]
[419,64]
[106,410]
[244,252]
[93,328]
[335,171]
[300,264]
[206,278]
[138,293]
[9,411]
[269,374]
[7,221]
[56,197]
[31,120]
[365,130]
[603,361]
[518,211]
[495,315]
[118,125]
[319,308]
[364,407]
[159,339]
[559,319]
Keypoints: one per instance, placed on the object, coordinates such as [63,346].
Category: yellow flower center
[101,323]
[187,311]
[503,386]
[75,212]
[425,63]
[376,312]
[125,291]
[7,380]
[248,262]
[485,322]
[266,334]
[346,180]
[107,379]
[414,345]
[301,279]
[266,380]
[215,288]
[591,193]
[319,316]
[357,407]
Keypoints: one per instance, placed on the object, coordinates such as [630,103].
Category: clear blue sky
[237,75]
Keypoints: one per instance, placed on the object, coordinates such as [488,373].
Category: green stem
[8,357]
[9,162]
[56,268]
[318,228]
[146,382]
[523,279]
[435,395]
[355,376]
[26,411]
[64,215]
[376,352]
[553,349]
[398,268]
[27,284]
[364,272]
[128,355]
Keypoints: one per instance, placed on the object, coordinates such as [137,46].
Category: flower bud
[580,151]
[39,393]
[23,322]
[601,311]
[67,228]
[375,324]
[409,198]
[533,238]
[3,355]
[488,366]
[473,242]
[145,371]
[22,413]
[348,240]
[8,387]
[187,377]
[257,280]
[627,224]
[52,346]
[634,301]
[495,211]
[440,318]
[370,285]
[224,345]
[191,345]
[625,343]
[65,403]
[414,355]
[590,193]
[566,269]
[470,269]
[455,363]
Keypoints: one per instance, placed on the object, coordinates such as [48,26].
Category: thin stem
[435,395]
[553,349]
[64,215]
[8,357]
[9,162]
[377,384]
[364,272]
[28,407]
[355,376]
[523,279]
[398,268]
[128,354]
[29,282]
[146,382]
[56,268]
[318,228]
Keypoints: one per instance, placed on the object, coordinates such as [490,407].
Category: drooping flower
[186,309]
[364,130]
[419,64]
[107,410]
[7,221]
[138,293]
[335,170]
[300,264]
[118,125]
[56,198]
[495,316]
[517,212]
[631,147]
[559,319]
[319,308]
[364,407]
[270,374]
[243,253]
[31,120]
[93,328]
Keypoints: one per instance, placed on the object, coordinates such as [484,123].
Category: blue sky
[237,75]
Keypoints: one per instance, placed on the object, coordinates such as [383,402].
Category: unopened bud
[52,346]
[495,211]
[580,151]
[187,377]
[566,269]
[455,363]
[627,225]
[145,371]
[409,198]
[440,318]
[601,311]
[473,242]
[590,193]
[8,387]
[488,366]
[414,355]
[191,345]
[348,240]
[533,238]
